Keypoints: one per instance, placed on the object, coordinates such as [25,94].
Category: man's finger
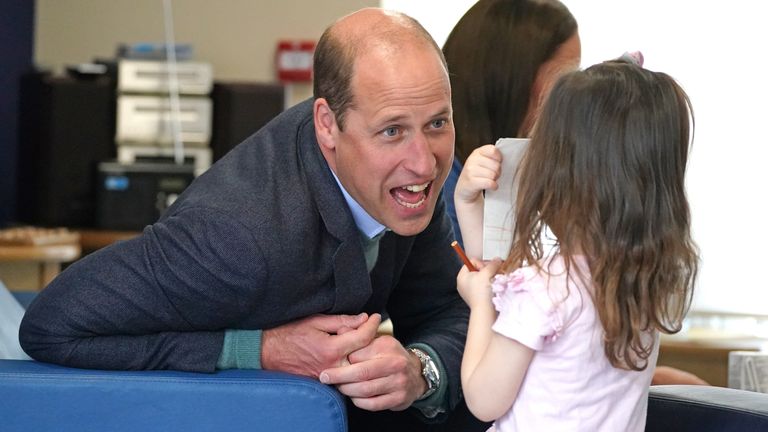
[367,389]
[389,401]
[334,323]
[354,373]
[349,341]
[364,332]
[376,395]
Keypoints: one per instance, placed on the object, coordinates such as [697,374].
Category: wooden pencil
[455,245]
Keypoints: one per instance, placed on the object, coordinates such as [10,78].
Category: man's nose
[421,156]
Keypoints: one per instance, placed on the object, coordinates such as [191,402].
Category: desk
[93,239]
[31,267]
[705,355]
[28,268]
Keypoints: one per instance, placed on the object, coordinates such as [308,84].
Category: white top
[570,384]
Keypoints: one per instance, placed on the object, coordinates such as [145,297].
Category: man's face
[397,145]
[565,59]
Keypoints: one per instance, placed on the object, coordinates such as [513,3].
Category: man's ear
[325,124]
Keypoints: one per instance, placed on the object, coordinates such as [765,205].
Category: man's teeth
[412,205]
[416,188]
[413,189]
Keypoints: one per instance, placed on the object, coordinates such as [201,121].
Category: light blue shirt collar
[365,223]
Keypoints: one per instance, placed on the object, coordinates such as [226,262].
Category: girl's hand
[475,287]
[481,170]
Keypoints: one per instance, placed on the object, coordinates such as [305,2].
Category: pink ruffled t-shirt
[570,385]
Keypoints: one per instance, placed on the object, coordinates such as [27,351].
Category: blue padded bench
[37,396]
[688,408]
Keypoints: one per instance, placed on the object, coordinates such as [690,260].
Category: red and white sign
[294,60]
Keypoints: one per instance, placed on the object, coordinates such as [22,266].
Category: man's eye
[391,131]
[437,124]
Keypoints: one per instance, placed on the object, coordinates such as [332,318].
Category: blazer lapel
[353,284]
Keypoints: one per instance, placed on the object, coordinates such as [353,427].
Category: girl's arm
[493,366]
[481,170]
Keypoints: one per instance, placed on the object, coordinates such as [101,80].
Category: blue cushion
[41,396]
[689,408]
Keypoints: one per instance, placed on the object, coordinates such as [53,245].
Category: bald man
[286,252]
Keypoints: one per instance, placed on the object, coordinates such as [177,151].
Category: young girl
[566,338]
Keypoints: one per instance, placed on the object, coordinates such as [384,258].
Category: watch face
[428,371]
[430,374]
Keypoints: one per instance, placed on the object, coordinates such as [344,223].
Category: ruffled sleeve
[526,311]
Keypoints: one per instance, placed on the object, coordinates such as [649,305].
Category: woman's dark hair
[494,53]
[605,170]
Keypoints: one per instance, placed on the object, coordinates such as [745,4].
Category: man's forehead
[404,108]
[375,61]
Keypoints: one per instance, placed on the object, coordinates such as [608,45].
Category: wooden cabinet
[705,355]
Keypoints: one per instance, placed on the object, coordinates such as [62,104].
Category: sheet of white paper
[498,215]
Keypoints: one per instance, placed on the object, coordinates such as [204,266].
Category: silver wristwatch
[429,371]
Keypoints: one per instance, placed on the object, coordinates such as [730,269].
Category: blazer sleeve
[158,301]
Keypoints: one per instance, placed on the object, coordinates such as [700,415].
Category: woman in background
[503,56]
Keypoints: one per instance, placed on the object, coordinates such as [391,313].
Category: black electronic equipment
[131,196]
[240,109]
[66,126]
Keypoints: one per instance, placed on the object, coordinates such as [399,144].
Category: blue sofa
[688,408]
[38,396]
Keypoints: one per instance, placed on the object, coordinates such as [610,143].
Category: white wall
[238,37]
[717,52]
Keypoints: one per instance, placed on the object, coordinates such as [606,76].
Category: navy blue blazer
[263,238]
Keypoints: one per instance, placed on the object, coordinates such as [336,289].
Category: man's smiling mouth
[412,196]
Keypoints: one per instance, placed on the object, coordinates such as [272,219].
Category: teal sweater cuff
[241,350]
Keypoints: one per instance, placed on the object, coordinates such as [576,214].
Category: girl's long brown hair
[606,172]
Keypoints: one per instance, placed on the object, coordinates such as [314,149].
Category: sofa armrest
[41,396]
[683,408]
